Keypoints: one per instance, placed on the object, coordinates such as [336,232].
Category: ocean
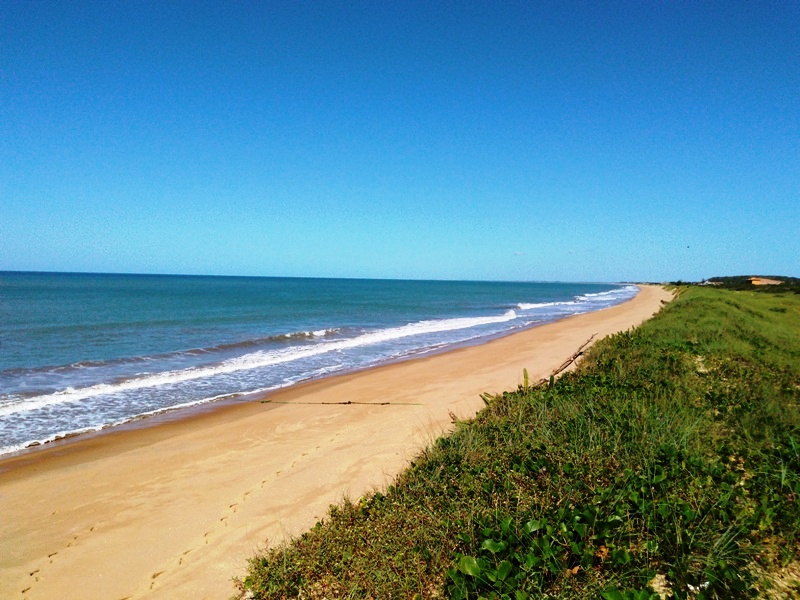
[82,352]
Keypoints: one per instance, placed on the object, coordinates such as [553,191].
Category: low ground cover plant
[667,466]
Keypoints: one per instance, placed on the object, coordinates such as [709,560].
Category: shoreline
[166,415]
[174,508]
[186,410]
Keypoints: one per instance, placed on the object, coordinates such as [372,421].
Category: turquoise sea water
[80,352]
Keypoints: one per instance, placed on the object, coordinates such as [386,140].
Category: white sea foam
[585,299]
[105,425]
[252,360]
[324,332]
[534,305]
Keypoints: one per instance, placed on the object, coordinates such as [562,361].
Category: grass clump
[667,465]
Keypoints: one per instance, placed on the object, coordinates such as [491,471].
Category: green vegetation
[743,282]
[668,464]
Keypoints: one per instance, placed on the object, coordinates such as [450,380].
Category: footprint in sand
[153,577]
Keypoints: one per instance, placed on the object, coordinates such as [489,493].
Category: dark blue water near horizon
[79,352]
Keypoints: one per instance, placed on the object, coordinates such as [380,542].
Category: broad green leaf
[494,547]
[505,525]
[532,526]
[503,569]
[469,566]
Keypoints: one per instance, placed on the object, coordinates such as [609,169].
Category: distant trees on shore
[760,283]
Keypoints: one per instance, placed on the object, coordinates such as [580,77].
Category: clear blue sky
[580,141]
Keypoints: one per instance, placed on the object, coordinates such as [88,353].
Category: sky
[533,141]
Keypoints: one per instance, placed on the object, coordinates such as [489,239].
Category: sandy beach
[175,508]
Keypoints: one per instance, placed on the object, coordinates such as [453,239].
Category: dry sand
[174,509]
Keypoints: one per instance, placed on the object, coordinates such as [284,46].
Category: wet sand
[174,508]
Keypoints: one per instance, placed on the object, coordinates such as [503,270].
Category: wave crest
[253,360]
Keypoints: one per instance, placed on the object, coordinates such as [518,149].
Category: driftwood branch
[565,364]
[573,358]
